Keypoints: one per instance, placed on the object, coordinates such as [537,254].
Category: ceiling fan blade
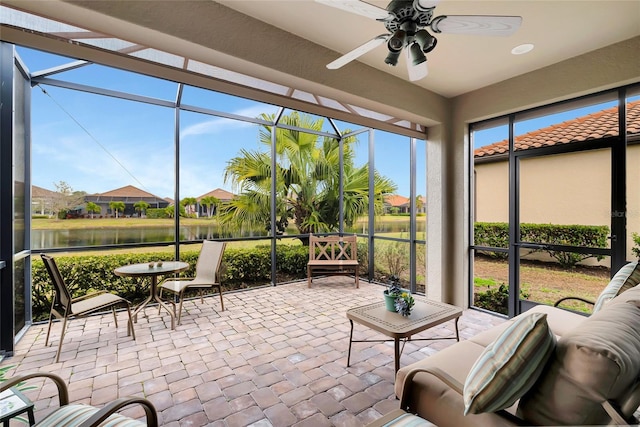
[428,4]
[485,25]
[358,7]
[416,72]
[359,51]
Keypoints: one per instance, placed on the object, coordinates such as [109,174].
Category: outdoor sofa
[574,369]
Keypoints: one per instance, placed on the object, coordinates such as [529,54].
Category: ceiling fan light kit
[426,41]
[417,57]
[392,58]
[397,41]
[406,22]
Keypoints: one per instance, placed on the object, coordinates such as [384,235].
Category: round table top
[151,269]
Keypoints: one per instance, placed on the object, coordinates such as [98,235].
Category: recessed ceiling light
[522,49]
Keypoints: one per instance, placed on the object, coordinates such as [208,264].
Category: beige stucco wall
[491,187]
[570,188]
[573,188]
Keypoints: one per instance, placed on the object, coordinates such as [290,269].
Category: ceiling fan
[407,21]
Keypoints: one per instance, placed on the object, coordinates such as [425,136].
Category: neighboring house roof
[219,194]
[128,193]
[593,126]
[396,200]
[40,192]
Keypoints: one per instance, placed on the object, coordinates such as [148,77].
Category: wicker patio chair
[71,415]
[64,306]
[207,272]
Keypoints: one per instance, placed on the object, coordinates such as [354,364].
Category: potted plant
[392,292]
[397,299]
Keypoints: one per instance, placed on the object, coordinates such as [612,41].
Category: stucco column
[435,197]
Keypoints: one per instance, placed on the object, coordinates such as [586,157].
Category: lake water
[47,239]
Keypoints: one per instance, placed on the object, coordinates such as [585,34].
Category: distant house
[218,193]
[394,202]
[42,201]
[570,188]
[403,204]
[129,195]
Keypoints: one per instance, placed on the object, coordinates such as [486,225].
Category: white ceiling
[462,63]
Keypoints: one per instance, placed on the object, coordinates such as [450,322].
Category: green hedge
[153,213]
[496,234]
[241,268]
[636,244]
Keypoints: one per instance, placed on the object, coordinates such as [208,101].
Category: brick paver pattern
[275,357]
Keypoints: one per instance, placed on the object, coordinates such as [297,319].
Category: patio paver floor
[275,357]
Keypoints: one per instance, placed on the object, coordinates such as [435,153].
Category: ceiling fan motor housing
[406,10]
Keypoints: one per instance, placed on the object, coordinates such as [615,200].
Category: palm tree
[210,202]
[141,207]
[93,208]
[170,211]
[116,206]
[419,203]
[189,204]
[307,181]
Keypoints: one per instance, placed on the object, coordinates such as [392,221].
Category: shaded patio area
[275,357]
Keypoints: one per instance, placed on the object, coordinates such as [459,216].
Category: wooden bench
[333,255]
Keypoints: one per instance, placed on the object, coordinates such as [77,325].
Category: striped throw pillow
[626,278]
[509,366]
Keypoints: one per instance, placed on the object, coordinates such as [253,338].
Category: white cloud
[219,124]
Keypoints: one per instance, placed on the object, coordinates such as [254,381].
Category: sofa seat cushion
[435,400]
[560,322]
[510,365]
[485,338]
[598,360]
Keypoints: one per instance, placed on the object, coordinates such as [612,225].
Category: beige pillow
[599,359]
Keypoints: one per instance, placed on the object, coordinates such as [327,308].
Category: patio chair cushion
[598,361]
[626,278]
[509,366]
[75,414]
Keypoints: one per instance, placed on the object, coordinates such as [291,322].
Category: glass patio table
[152,270]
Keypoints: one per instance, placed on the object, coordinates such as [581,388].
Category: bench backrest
[333,248]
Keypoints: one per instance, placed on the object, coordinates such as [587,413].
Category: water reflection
[47,239]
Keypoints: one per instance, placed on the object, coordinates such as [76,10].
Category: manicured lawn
[544,282]
[66,224]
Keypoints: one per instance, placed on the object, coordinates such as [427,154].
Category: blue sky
[499,133]
[97,143]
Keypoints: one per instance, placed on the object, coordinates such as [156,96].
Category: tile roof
[219,194]
[396,200]
[41,192]
[126,191]
[593,126]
